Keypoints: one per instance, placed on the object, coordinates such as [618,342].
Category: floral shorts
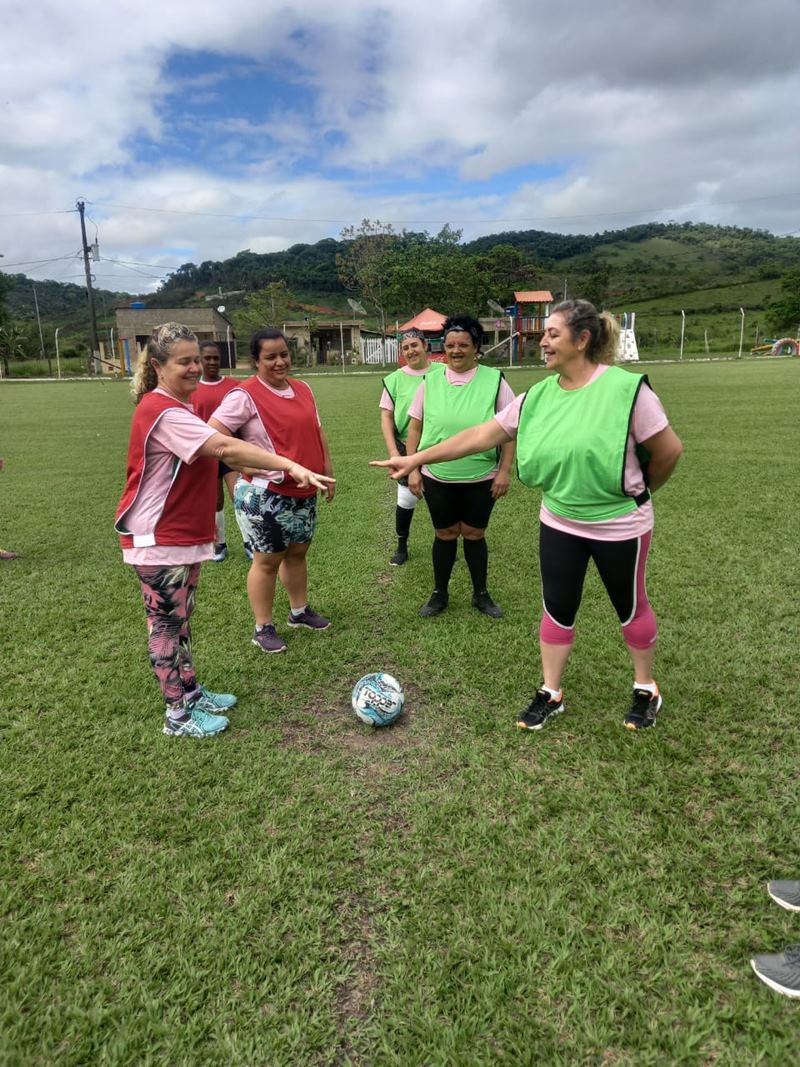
[270,521]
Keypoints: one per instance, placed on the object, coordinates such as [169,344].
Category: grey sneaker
[540,709]
[310,619]
[268,639]
[196,724]
[787,894]
[781,971]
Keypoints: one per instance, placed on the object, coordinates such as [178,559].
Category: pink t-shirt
[505,396]
[239,414]
[386,401]
[177,433]
[649,418]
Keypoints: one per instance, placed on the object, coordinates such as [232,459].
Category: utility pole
[95,367]
[41,335]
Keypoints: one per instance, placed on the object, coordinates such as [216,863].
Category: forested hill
[644,261]
[637,263]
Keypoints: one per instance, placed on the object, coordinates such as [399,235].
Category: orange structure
[430,322]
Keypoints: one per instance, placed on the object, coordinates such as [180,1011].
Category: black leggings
[564,559]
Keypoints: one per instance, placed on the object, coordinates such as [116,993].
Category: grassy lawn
[306,890]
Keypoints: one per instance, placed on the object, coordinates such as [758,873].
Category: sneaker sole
[196,737]
[305,626]
[773,984]
[783,903]
[269,651]
[522,725]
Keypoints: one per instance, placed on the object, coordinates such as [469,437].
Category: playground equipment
[627,349]
[786,346]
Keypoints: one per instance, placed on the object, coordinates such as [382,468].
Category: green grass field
[305,890]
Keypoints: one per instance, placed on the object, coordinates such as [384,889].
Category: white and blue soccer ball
[378,699]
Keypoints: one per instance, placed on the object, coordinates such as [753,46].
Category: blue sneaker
[198,724]
[212,702]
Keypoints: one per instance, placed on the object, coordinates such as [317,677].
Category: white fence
[377,351]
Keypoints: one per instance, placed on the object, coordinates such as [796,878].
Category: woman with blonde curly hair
[165,517]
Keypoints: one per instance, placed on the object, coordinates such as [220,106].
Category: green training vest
[572,443]
[452,408]
[402,388]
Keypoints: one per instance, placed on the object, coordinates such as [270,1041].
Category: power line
[26,214]
[144,274]
[33,262]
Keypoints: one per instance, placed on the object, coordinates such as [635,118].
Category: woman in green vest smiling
[399,389]
[460,492]
[580,434]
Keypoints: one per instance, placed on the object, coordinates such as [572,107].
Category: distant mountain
[618,267]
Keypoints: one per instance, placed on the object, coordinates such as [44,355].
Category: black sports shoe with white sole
[541,708]
[643,711]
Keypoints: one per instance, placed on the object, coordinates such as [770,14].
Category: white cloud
[676,110]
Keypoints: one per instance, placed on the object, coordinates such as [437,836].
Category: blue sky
[194,130]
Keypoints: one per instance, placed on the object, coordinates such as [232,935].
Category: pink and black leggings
[169,594]
[621,565]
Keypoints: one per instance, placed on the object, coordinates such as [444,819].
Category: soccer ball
[378,699]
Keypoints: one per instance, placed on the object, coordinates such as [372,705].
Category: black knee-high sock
[402,522]
[476,556]
[444,556]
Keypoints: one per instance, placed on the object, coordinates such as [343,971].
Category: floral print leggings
[168,594]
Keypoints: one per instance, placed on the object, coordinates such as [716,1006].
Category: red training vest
[188,507]
[207,397]
[291,425]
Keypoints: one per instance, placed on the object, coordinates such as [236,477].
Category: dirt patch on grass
[355,998]
[334,728]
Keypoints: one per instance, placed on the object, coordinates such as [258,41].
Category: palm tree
[12,346]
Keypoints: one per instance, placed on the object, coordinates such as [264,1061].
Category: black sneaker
[781,971]
[400,556]
[484,603]
[435,606]
[787,894]
[644,709]
[541,708]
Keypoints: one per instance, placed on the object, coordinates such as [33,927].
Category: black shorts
[452,502]
[224,469]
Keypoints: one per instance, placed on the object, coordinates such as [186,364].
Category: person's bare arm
[479,438]
[665,450]
[240,455]
[387,429]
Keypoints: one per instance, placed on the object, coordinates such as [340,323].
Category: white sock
[554,693]
[219,522]
[650,687]
[297,612]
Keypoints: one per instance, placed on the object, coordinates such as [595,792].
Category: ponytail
[608,341]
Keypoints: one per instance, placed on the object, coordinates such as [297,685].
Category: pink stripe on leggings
[641,630]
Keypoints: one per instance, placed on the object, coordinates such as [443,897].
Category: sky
[195,129]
